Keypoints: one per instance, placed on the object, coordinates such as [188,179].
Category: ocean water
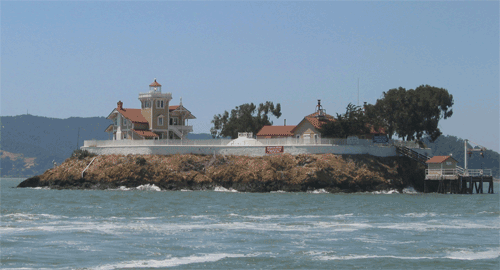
[144,228]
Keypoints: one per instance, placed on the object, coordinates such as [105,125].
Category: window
[174,121]
[147,104]
[159,104]
[160,120]
[448,163]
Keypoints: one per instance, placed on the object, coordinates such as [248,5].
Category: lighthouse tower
[154,107]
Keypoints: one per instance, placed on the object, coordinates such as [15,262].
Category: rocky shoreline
[301,173]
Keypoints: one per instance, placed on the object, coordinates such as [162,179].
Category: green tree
[244,118]
[353,122]
[413,114]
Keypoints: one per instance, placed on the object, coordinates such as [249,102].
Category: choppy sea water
[146,229]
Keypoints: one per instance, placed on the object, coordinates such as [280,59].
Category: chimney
[119,105]
[284,124]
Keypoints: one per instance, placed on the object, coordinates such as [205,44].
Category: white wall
[243,150]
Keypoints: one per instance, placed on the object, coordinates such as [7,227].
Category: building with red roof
[154,120]
[309,129]
[268,132]
[439,167]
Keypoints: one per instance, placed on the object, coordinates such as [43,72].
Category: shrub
[140,161]
[81,154]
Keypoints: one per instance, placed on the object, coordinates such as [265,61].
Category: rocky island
[291,173]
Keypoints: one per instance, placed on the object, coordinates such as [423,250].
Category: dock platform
[458,181]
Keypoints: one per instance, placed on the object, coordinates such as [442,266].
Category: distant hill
[42,140]
[29,144]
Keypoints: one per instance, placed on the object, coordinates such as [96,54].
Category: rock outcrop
[334,173]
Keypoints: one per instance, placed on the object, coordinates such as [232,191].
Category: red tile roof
[133,115]
[276,131]
[155,84]
[439,159]
[145,133]
[318,122]
[173,108]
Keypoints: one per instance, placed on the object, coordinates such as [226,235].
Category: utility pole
[470,150]
[465,147]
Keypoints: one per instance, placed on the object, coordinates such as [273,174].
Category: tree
[412,114]
[353,122]
[244,118]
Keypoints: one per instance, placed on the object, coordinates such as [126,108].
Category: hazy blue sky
[63,59]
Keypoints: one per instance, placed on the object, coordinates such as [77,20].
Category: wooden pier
[445,176]
[460,184]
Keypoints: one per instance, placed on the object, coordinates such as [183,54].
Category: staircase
[405,151]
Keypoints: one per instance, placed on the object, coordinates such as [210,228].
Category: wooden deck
[461,184]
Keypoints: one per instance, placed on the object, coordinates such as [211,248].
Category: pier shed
[441,167]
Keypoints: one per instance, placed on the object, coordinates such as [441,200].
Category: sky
[78,59]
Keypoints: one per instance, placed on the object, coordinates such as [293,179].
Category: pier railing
[477,172]
[436,174]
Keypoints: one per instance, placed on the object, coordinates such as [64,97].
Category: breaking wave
[148,187]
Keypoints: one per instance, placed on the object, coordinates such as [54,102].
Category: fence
[223,142]
[453,173]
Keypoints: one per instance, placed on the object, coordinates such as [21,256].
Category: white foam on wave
[469,255]
[122,188]
[171,262]
[366,256]
[41,188]
[421,226]
[343,215]
[223,189]
[425,214]
[32,216]
[392,191]
[456,255]
[278,191]
[266,217]
[318,191]
[148,187]
[186,190]
[409,190]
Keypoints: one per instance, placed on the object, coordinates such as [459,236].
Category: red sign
[274,149]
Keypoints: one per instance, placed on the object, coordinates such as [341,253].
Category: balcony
[180,131]
[155,95]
